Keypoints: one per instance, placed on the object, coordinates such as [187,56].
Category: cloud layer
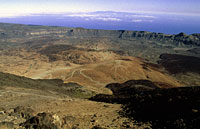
[113,16]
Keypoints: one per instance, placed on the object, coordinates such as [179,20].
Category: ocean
[160,23]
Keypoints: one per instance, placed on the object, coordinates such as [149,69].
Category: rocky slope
[27,104]
[50,87]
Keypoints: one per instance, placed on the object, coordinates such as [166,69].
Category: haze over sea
[161,23]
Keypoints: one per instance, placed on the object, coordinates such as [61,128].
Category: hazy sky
[23,7]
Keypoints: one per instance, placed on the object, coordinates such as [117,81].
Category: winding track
[117,66]
[97,82]
[72,74]
[46,73]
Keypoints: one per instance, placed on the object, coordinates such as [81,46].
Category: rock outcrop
[42,121]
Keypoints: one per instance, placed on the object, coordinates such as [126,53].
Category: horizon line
[11,15]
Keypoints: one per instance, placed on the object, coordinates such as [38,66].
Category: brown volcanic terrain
[90,68]
[66,66]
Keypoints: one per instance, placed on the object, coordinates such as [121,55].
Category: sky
[166,16]
[9,8]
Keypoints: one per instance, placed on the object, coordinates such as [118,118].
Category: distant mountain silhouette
[178,40]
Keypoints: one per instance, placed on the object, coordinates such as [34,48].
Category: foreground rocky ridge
[35,105]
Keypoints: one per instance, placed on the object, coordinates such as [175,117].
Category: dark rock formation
[163,108]
[130,86]
[41,121]
[122,92]
[12,118]
[25,113]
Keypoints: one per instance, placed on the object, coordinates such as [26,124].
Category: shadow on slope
[195,51]
[45,85]
[179,63]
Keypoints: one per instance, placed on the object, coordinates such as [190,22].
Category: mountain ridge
[176,39]
[192,39]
